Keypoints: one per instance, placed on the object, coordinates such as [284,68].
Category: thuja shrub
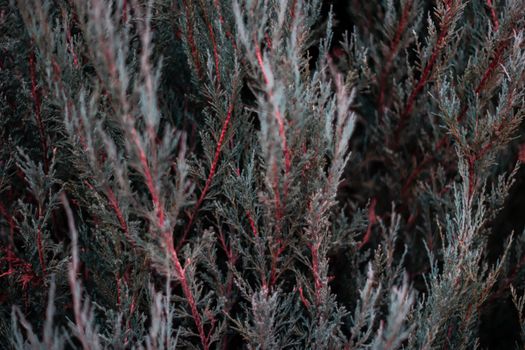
[261,174]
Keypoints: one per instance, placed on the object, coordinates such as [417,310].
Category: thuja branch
[157,205]
[190,37]
[445,27]
[188,294]
[167,238]
[211,174]
[393,49]
[277,112]
[213,40]
[83,331]
[487,74]
[493,15]
[318,285]
[114,204]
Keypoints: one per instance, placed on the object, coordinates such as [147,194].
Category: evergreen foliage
[261,174]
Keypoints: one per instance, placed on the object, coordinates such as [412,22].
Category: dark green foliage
[250,174]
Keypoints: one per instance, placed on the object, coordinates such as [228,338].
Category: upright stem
[211,174]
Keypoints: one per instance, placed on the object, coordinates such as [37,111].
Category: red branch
[492,66]
[149,178]
[125,11]
[252,224]
[213,42]
[230,255]
[209,180]
[403,21]
[229,35]
[278,116]
[168,239]
[282,135]
[278,207]
[449,336]
[416,172]
[191,40]
[22,268]
[181,275]
[493,15]
[120,217]
[248,214]
[215,53]
[444,140]
[440,44]
[314,250]
[486,148]
[114,204]
[292,10]
[275,254]
[302,297]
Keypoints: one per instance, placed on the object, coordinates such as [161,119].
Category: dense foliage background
[262,174]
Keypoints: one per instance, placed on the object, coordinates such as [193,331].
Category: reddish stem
[168,239]
[114,204]
[149,178]
[493,15]
[444,140]
[403,21]
[215,53]
[191,40]
[180,272]
[492,66]
[125,11]
[275,254]
[27,273]
[120,217]
[292,11]
[229,35]
[490,144]
[209,180]
[423,79]
[278,208]
[303,299]
[449,335]
[314,250]
[252,224]
[278,116]
[213,42]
